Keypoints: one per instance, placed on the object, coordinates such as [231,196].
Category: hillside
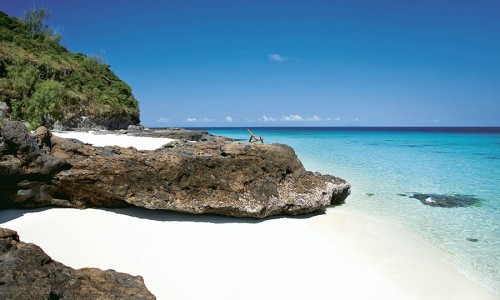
[43,83]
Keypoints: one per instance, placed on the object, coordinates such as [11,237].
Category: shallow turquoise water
[380,164]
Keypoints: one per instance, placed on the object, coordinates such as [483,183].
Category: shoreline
[318,256]
[340,253]
[415,244]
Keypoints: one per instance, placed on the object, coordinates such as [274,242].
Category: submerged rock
[447,200]
[217,177]
[27,272]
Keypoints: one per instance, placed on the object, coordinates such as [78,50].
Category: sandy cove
[339,254]
[100,140]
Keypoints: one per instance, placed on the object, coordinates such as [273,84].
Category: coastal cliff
[43,83]
[217,177]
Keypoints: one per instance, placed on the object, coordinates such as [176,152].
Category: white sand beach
[337,255]
[100,140]
[341,254]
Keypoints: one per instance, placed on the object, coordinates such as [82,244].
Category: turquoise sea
[386,166]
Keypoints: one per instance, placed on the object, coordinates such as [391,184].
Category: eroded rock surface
[26,171]
[27,272]
[218,177]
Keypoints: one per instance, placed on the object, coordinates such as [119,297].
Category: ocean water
[386,166]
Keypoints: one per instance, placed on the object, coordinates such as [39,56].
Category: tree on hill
[34,18]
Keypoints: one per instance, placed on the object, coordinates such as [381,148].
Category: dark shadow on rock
[308,215]
[323,211]
[7,215]
[172,216]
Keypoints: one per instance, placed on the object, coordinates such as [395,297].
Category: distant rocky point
[172,133]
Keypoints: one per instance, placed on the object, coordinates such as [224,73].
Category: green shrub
[16,110]
[45,105]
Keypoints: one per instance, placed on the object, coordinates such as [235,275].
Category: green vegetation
[42,82]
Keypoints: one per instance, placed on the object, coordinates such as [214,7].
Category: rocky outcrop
[235,179]
[26,172]
[27,272]
[218,177]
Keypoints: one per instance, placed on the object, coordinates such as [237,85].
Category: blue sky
[294,63]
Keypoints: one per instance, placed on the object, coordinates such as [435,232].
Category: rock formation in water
[438,200]
[26,272]
[217,177]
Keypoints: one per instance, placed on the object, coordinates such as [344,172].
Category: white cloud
[198,120]
[229,119]
[314,119]
[268,119]
[292,118]
[337,119]
[163,120]
[275,57]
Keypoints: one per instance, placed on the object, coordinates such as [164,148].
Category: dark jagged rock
[447,200]
[31,160]
[26,172]
[27,272]
[218,177]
